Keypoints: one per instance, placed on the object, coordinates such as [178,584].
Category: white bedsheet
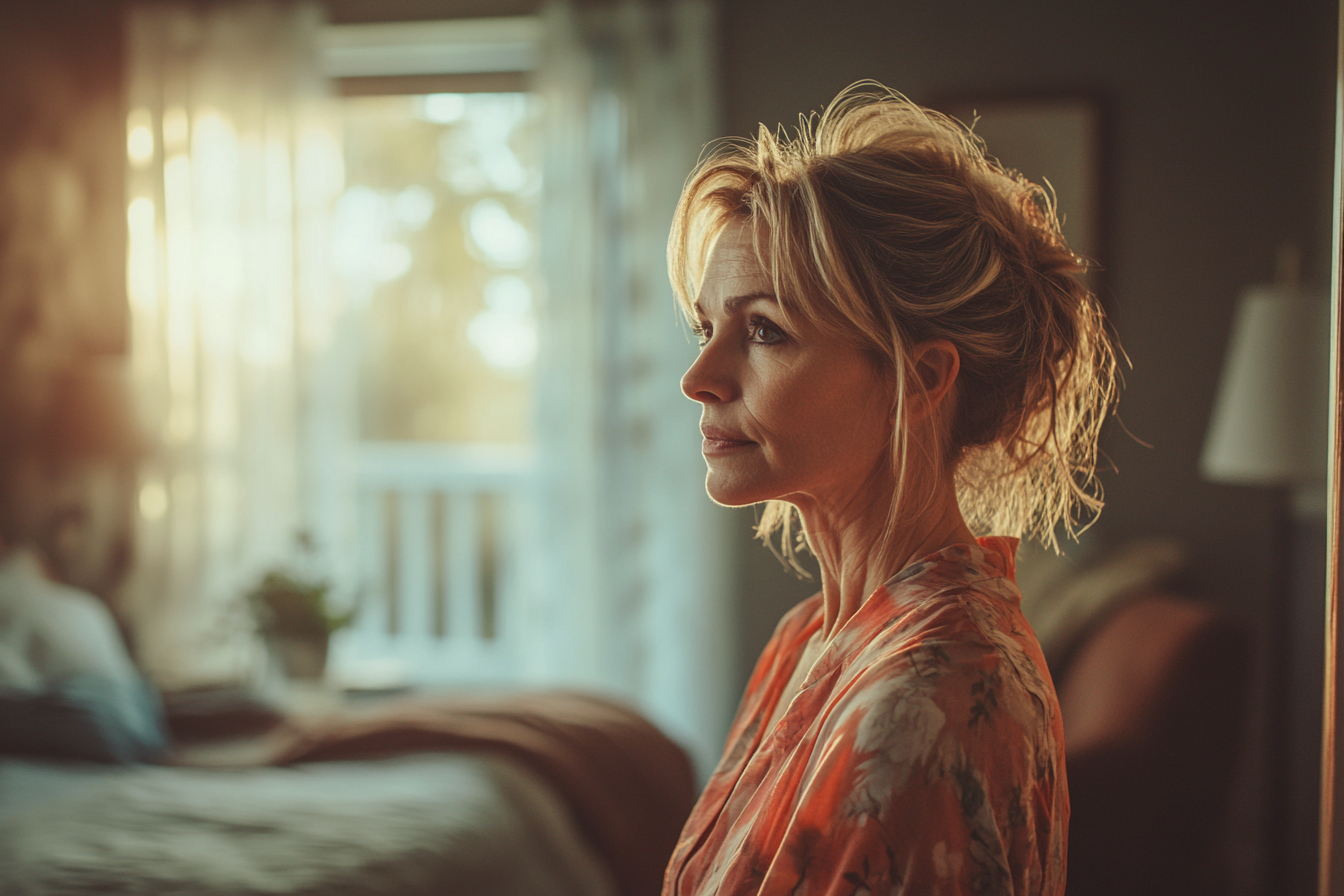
[423,824]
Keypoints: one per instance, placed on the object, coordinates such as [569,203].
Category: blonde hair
[887,224]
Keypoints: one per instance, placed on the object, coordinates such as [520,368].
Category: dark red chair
[1154,700]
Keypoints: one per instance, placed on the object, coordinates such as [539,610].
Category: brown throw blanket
[628,786]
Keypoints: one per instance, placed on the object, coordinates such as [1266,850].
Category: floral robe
[923,754]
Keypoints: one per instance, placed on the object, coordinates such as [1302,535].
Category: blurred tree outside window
[436,235]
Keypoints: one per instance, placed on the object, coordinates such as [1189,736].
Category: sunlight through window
[435,238]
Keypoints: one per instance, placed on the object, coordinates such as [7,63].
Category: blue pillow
[88,717]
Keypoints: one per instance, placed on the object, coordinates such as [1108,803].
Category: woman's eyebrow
[733,304]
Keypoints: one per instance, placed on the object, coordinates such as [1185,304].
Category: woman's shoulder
[946,697]
[961,592]
[953,632]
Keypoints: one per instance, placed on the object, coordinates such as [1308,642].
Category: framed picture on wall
[1054,140]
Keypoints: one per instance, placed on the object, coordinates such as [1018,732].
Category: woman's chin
[730,492]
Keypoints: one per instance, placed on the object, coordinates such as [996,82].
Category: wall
[62,222]
[1219,143]
[63,311]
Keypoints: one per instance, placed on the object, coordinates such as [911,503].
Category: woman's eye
[766,333]
[701,332]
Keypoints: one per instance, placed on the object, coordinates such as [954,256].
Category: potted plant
[294,616]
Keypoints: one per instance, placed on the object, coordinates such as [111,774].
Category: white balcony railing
[439,564]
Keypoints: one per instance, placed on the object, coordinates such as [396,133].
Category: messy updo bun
[887,224]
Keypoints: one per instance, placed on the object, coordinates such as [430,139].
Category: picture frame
[1057,141]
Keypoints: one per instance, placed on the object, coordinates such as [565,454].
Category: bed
[528,794]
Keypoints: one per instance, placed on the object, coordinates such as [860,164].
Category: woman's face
[788,412]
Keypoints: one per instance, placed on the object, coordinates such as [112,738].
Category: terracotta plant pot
[302,659]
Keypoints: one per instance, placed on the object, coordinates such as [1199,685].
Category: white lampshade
[1269,419]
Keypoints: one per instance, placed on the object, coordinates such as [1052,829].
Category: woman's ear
[935,364]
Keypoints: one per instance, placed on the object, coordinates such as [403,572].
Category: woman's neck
[858,548]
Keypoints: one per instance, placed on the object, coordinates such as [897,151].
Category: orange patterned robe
[923,754]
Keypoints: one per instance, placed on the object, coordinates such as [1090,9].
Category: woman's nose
[706,380]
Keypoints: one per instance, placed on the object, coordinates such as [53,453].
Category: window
[435,243]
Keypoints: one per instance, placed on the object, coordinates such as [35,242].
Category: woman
[895,346]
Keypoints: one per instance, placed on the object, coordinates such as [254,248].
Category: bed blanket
[627,785]
[424,825]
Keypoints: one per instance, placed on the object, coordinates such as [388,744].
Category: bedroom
[1216,153]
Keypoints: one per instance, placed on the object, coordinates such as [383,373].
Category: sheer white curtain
[236,331]
[244,353]
[633,592]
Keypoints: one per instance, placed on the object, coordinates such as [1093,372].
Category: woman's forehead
[732,263]
[736,236]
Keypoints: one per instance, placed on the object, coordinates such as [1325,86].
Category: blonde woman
[896,353]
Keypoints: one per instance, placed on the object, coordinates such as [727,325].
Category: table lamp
[1269,417]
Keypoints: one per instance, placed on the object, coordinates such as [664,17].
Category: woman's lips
[720,441]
